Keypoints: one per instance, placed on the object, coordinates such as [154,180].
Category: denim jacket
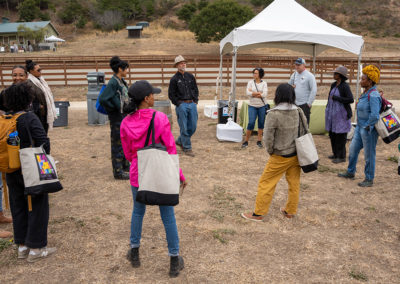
[368,109]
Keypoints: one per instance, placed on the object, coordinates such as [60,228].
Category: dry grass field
[342,233]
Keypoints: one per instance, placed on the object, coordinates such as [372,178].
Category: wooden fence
[72,70]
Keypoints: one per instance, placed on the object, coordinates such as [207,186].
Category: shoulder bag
[306,151]
[158,173]
[38,170]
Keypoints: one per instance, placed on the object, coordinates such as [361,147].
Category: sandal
[287,215]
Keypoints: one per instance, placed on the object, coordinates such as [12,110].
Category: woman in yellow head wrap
[365,134]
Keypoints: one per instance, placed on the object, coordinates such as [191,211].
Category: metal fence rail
[72,70]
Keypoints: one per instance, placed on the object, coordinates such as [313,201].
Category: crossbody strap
[255,84]
[150,131]
[300,121]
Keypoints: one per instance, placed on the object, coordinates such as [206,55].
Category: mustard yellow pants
[274,169]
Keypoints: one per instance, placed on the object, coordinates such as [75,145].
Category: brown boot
[4,219]
[5,235]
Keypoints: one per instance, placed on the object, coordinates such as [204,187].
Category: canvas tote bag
[158,173]
[388,126]
[306,150]
[38,170]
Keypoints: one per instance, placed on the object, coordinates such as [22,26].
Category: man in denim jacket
[365,134]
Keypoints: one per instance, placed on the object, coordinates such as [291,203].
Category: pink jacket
[133,136]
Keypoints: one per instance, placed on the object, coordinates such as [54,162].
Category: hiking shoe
[366,183]
[259,144]
[133,257]
[287,215]
[5,235]
[331,157]
[245,145]
[176,265]
[23,252]
[122,176]
[338,161]
[189,153]
[346,175]
[179,144]
[249,216]
[38,254]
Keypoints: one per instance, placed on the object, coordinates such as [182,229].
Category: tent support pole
[232,97]
[314,56]
[358,81]
[220,77]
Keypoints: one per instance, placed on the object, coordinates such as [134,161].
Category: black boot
[176,266]
[122,176]
[133,257]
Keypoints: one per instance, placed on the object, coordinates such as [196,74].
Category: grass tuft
[358,275]
[221,235]
[4,244]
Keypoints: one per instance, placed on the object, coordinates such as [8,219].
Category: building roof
[134,28]
[13,27]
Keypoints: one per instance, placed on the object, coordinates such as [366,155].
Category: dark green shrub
[28,11]
[186,12]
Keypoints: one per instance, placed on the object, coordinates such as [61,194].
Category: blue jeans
[168,218]
[367,140]
[187,120]
[255,112]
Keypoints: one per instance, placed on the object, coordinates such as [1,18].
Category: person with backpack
[257,91]
[30,227]
[134,129]
[338,114]
[365,134]
[112,99]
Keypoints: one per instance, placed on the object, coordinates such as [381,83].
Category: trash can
[96,80]
[165,107]
[62,113]
[223,111]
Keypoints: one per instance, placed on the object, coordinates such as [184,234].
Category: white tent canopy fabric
[287,24]
[53,39]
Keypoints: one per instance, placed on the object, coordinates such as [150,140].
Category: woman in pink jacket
[133,135]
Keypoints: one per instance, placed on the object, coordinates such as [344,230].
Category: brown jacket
[282,128]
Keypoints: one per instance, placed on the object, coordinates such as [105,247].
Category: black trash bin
[62,113]
[223,111]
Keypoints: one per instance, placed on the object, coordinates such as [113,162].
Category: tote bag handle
[151,131]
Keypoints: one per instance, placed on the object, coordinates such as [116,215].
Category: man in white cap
[305,87]
[184,94]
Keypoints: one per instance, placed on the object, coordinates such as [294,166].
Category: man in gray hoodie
[305,87]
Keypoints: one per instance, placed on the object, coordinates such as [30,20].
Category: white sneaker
[37,254]
[23,252]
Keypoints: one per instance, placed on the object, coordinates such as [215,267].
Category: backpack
[99,107]
[385,105]
[8,124]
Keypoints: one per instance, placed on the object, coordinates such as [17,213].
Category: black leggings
[30,228]
[338,143]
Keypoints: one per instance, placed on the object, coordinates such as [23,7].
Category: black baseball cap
[141,89]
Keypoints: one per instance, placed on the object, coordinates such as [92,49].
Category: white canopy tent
[288,25]
[53,39]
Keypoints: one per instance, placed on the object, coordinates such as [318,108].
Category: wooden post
[97,66]
[1,76]
[65,74]
[130,77]
[322,69]
[162,72]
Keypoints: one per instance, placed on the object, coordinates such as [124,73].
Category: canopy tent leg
[219,80]
[232,95]
[358,82]
[314,57]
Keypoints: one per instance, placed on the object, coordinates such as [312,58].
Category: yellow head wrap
[372,72]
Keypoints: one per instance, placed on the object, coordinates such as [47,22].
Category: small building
[134,31]
[144,24]
[9,31]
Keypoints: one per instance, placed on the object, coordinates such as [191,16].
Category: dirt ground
[342,233]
